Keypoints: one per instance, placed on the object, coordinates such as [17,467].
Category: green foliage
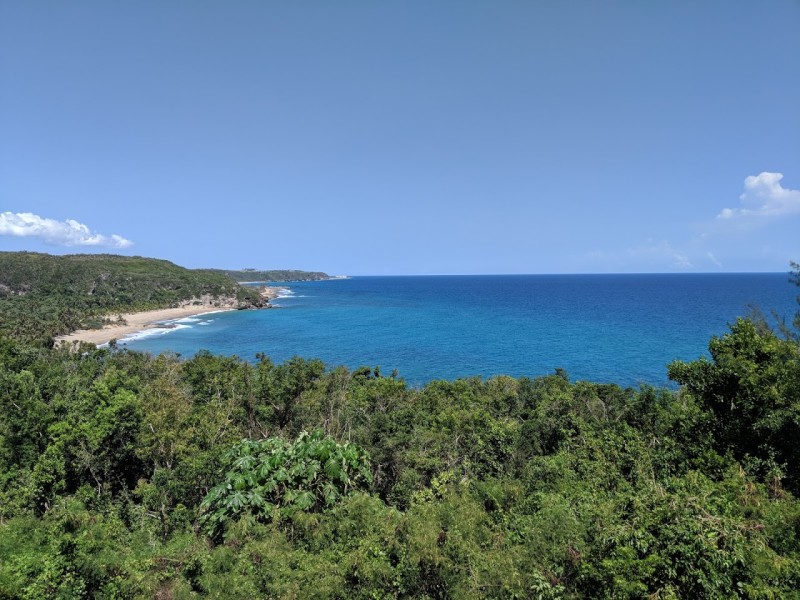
[279,389]
[752,385]
[42,295]
[122,475]
[272,478]
[96,444]
[274,275]
[71,553]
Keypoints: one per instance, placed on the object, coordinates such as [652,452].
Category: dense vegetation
[42,296]
[275,275]
[124,475]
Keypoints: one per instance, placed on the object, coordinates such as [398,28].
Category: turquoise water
[605,328]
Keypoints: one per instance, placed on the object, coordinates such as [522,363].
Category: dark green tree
[752,386]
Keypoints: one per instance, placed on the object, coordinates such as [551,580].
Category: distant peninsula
[279,275]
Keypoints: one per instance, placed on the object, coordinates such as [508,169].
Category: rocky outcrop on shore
[268,294]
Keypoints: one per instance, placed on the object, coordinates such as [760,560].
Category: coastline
[134,322]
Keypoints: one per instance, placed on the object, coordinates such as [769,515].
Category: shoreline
[136,322]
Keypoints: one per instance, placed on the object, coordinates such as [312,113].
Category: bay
[623,329]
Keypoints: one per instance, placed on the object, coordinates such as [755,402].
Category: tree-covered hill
[275,275]
[43,295]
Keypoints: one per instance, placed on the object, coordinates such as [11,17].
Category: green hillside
[43,295]
[275,275]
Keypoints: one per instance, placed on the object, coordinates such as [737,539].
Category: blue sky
[405,137]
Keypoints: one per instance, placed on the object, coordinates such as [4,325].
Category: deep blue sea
[605,328]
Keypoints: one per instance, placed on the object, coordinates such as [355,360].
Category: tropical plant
[272,478]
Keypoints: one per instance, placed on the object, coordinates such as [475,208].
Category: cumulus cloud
[60,233]
[764,196]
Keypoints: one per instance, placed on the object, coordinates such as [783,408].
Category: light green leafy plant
[272,478]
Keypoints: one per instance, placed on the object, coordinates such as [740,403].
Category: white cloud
[713,258]
[764,196]
[662,253]
[61,233]
[682,262]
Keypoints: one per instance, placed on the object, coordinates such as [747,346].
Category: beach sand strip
[135,322]
[148,319]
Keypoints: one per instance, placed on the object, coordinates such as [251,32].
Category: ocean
[621,329]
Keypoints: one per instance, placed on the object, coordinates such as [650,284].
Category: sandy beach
[141,321]
[134,322]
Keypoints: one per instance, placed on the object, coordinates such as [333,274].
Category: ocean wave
[186,320]
[153,332]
